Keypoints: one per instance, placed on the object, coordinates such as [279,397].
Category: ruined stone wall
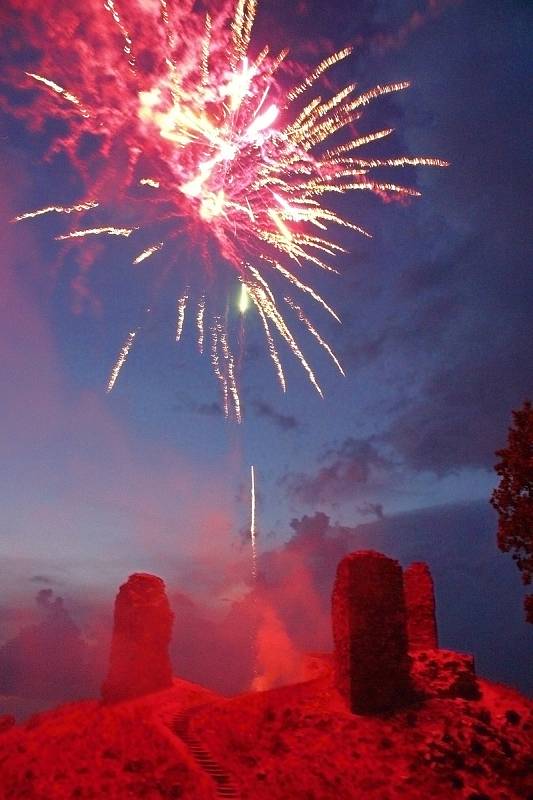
[139,661]
[420,602]
[370,634]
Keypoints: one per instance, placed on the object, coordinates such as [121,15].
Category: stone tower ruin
[370,633]
[139,662]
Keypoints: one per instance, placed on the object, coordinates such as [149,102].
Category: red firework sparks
[216,148]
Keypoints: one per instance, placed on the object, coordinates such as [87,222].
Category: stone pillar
[369,633]
[420,602]
[139,661]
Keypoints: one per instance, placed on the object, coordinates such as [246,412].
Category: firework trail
[253,542]
[201,133]
[200,324]
[182,307]
[121,360]
[252,523]
[149,251]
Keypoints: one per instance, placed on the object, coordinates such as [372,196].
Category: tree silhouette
[513,498]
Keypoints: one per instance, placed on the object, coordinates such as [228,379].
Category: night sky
[435,338]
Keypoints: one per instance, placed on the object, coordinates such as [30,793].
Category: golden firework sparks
[244,159]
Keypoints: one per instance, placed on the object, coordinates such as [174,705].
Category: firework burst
[218,151]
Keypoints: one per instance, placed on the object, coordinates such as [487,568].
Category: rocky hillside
[88,750]
[297,742]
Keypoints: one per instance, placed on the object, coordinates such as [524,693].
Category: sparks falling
[121,360]
[218,149]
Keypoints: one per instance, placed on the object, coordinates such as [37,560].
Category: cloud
[213,647]
[248,638]
[353,465]
[473,358]
[45,599]
[48,660]
[207,409]
[371,509]
[446,341]
[463,409]
[286,422]
[393,39]
[278,662]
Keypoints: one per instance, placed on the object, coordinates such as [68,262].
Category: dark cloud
[481,364]
[286,422]
[394,36]
[185,403]
[345,470]
[371,509]
[213,409]
[361,353]
[449,335]
[462,415]
[41,579]
[49,660]
[45,599]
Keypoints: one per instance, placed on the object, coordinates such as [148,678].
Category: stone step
[223,783]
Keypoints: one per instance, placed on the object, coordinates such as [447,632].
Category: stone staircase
[222,780]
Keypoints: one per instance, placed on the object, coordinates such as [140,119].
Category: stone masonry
[370,634]
[139,661]
[420,602]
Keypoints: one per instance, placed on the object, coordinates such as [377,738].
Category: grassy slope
[294,743]
[85,750]
[300,742]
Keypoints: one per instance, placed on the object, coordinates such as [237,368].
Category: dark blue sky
[436,338]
